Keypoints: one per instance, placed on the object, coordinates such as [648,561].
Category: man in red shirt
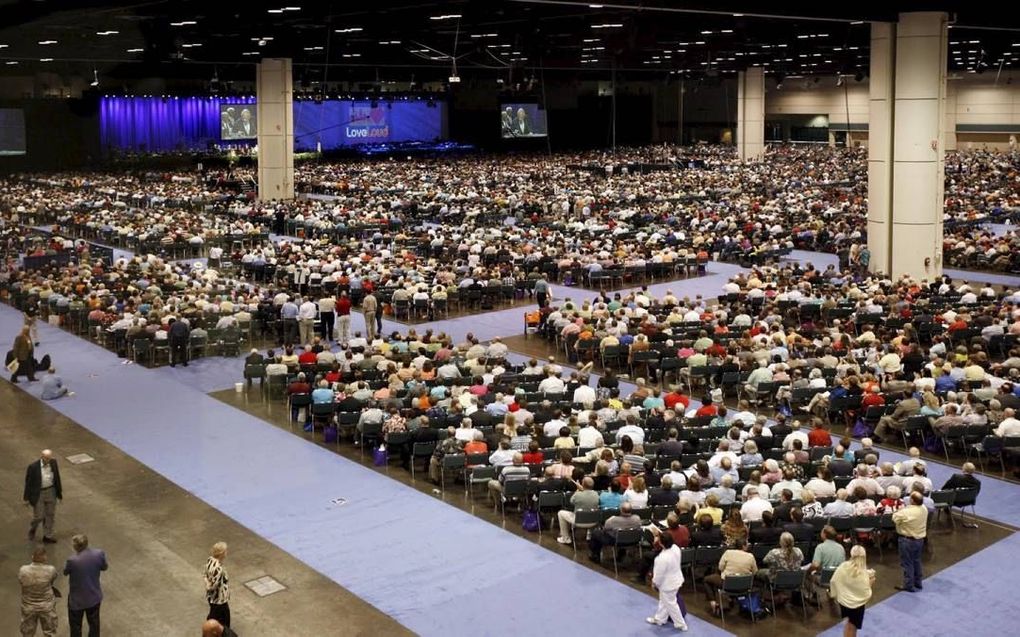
[818,436]
[298,386]
[343,318]
[676,397]
[308,356]
[707,408]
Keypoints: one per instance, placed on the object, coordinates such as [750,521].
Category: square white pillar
[751,114]
[880,144]
[918,183]
[274,86]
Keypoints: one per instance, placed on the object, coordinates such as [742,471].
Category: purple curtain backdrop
[160,124]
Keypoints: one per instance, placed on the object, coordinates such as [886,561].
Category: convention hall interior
[488,317]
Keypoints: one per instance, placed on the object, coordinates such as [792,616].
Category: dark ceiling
[384,40]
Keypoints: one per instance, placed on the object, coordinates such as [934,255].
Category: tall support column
[880,144]
[751,114]
[275,129]
[918,144]
[949,121]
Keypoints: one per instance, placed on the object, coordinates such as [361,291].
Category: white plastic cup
[239,387]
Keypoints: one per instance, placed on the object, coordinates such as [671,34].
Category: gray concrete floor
[157,537]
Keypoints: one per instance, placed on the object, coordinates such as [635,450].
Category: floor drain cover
[264,586]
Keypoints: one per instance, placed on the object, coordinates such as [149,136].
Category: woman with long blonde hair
[851,588]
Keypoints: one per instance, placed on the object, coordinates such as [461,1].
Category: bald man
[212,628]
[42,490]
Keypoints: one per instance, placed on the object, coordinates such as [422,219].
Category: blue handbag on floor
[751,604]
[531,521]
[380,457]
[329,434]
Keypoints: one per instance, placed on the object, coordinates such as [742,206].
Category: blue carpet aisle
[823,259]
[433,567]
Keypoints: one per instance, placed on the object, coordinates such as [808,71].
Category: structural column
[751,114]
[918,144]
[275,129]
[880,144]
[949,119]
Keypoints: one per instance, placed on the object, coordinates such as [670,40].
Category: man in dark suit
[768,532]
[245,127]
[507,122]
[522,126]
[965,480]
[85,594]
[481,418]
[42,490]
[672,447]
[178,335]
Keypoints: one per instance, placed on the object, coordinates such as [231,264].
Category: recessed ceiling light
[107,32]
[11,63]
[135,50]
[349,30]
[47,42]
[595,6]
[4,46]
[45,59]
[183,23]
[450,16]
[274,11]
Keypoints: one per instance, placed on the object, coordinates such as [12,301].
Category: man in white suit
[668,577]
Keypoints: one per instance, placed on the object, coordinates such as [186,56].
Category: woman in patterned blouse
[217,592]
[785,557]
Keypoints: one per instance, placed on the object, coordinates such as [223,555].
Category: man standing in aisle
[85,594]
[911,525]
[38,604]
[368,307]
[306,320]
[178,335]
[42,490]
[541,291]
[327,305]
[343,318]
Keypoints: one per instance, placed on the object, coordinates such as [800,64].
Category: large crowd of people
[726,438]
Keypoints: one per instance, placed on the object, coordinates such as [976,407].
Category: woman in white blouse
[637,494]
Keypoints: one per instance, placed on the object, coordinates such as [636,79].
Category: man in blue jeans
[85,595]
[911,525]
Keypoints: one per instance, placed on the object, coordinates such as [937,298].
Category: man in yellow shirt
[911,525]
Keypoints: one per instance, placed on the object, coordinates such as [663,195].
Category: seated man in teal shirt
[322,394]
[613,498]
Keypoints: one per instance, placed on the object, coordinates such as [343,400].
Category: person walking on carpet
[668,577]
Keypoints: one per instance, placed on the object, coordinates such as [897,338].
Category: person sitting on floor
[53,386]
